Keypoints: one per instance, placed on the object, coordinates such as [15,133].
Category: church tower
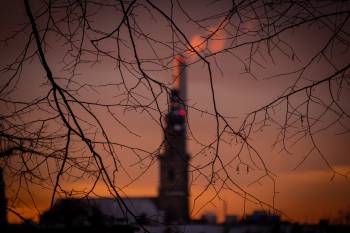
[173,188]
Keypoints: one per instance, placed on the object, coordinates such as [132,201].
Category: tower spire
[180,77]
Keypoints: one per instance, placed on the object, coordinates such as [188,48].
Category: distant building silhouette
[73,213]
[102,212]
[262,217]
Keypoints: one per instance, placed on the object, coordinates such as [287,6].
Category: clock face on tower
[178,118]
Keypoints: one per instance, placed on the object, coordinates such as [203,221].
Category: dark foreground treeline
[221,228]
[33,229]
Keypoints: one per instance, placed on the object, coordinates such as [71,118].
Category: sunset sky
[304,192]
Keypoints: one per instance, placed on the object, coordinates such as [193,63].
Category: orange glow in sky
[243,77]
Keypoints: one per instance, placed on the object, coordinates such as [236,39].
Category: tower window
[171,175]
[177,127]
